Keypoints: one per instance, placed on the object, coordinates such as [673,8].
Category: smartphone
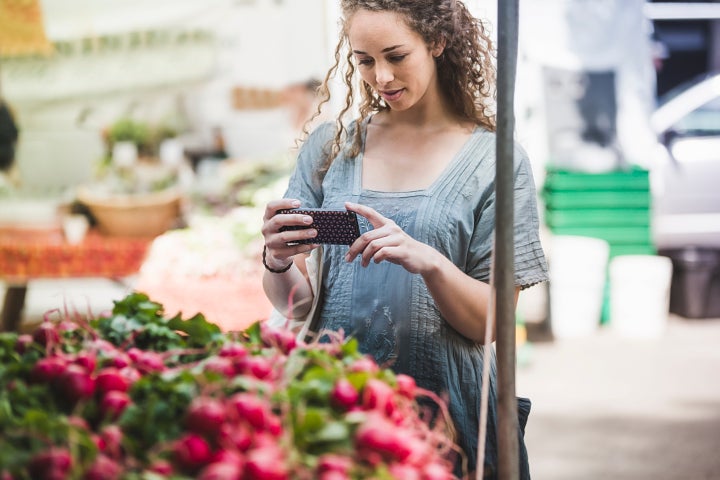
[337,227]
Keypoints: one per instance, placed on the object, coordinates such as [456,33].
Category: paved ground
[604,407]
[611,408]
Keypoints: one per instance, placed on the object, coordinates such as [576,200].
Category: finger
[375,219]
[274,205]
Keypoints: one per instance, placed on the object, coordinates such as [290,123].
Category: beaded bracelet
[268,268]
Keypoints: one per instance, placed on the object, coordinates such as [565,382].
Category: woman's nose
[383,74]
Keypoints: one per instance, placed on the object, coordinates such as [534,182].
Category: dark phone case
[337,227]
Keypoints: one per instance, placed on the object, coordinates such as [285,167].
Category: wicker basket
[133,215]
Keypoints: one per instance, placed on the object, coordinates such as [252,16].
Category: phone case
[337,227]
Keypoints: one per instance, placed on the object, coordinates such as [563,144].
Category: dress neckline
[457,156]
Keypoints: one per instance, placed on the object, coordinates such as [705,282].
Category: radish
[332,462]
[161,467]
[406,385]
[333,475]
[221,471]
[364,364]
[86,360]
[343,395]
[378,395]
[23,342]
[237,436]
[131,374]
[380,435]
[233,350]
[191,452]
[250,408]
[404,472]
[436,471]
[46,334]
[111,437]
[110,379]
[103,468]
[220,365]
[266,463]
[205,415]
[258,367]
[76,383]
[54,463]
[48,369]
[114,403]
[146,361]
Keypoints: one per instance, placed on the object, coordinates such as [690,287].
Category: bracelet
[273,270]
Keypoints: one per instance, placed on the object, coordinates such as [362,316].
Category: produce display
[133,394]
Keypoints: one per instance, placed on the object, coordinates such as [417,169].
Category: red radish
[228,456]
[266,463]
[436,471]
[221,471]
[378,434]
[54,463]
[237,436]
[331,462]
[233,350]
[404,472]
[86,360]
[103,468]
[120,360]
[161,467]
[378,395]
[333,475]
[257,366]
[98,441]
[76,383]
[220,365]
[343,395]
[147,361]
[205,415]
[109,379]
[191,452]
[78,422]
[364,364]
[250,408]
[46,334]
[48,369]
[406,385]
[131,374]
[112,437]
[114,403]
[22,343]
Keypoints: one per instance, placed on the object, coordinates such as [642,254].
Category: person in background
[8,137]
[417,165]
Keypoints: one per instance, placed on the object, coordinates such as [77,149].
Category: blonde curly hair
[466,69]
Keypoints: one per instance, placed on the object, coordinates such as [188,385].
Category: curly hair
[466,70]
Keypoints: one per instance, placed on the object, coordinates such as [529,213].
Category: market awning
[22,30]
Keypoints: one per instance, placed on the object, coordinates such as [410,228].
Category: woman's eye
[397,58]
[364,61]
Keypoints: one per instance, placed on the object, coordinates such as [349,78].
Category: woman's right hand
[279,254]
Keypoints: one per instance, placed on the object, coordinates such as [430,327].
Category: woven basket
[133,215]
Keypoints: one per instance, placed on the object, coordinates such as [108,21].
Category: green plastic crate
[613,235]
[631,179]
[637,199]
[596,217]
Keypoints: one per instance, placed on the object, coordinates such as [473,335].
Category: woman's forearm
[461,299]
[291,287]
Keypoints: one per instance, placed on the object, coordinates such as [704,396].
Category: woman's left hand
[388,242]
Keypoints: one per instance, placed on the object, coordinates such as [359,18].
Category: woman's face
[392,58]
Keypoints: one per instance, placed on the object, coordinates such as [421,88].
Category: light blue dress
[390,310]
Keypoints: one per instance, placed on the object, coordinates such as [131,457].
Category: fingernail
[311,233]
[296,203]
[308,220]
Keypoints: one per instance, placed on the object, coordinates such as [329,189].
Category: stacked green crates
[613,206]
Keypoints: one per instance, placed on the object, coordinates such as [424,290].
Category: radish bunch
[133,395]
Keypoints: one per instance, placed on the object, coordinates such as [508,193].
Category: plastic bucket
[578,272]
[639,295]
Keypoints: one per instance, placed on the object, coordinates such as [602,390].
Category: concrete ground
[604,406]
[607,407]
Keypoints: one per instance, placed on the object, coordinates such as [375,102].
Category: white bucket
[578,271]
[639,295]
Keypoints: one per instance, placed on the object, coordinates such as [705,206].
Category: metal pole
[507,25]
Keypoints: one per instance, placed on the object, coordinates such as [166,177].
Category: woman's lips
[391,95]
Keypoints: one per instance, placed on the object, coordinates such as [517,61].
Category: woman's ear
[438,48]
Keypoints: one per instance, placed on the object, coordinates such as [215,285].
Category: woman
[417,167]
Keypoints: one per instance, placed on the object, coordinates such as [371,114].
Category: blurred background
[141,140]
